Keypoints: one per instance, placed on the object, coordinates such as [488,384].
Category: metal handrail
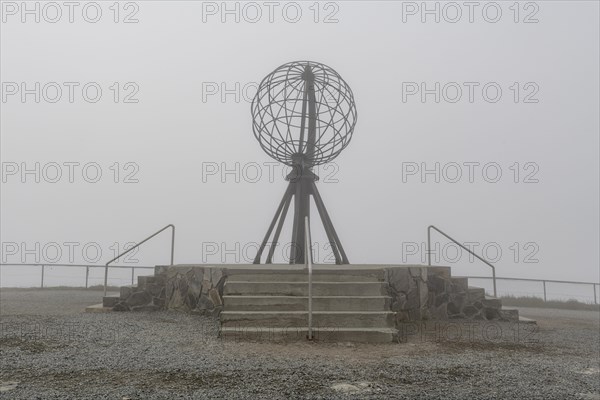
[138,245]
[430,227]
[308,257]
[544,281]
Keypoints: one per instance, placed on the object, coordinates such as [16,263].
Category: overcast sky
[170,134]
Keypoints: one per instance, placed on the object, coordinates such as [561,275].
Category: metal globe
[280,116]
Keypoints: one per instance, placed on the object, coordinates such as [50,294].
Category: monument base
[350,302]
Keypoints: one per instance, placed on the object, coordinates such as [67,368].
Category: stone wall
[194,289]
[418,293]
[431,293]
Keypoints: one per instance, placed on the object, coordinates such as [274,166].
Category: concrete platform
[365,335]
[98,308]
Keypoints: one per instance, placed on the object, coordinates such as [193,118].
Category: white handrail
[308,257]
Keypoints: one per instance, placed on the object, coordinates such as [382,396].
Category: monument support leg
[302,210]
[336,244]
[278,230]
[285,199]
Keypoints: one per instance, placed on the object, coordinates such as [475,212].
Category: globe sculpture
[303,116]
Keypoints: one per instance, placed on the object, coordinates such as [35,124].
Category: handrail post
[544,283]
[308,257]
[494,281]
[105,277]
[172,243]
[429,245]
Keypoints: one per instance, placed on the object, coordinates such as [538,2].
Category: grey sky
[172,55]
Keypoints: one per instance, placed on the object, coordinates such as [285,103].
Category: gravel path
[50,349]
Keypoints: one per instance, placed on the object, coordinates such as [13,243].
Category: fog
[503,154]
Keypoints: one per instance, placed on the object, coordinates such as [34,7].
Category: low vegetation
[530,301]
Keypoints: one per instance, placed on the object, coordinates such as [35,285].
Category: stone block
[491,303]
[470,311]
[441,299]
[121,306]
[204,303]
[110,301]
[491,313]
[147,307]
[158,301]
[215,298]
[400,279]
[439,312]
[154,289]
[138,299]
[160,269]
[453,309]
[437,284]
[126,291]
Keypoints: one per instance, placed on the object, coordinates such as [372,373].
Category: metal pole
[87,275]
[132,270]
[172,244]
[494,280]
[595,296]
[429,246]
[42,284]
[105,277]
[309,267]
[544,282]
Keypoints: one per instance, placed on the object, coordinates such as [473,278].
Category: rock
[215,298]
[206,286]
[147,307]
[125,291]
[191,301]
[204,303]
[121,306]
[437,284]
[491,313]
[154,289]
[138,299]
[441,299]
[470,311]
[492,303]
[453,309]
[439,312]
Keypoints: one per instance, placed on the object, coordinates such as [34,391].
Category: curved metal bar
[430,227]
[138,245]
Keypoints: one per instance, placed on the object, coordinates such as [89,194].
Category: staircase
[348,305]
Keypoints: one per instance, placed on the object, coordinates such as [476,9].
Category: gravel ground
[50,349]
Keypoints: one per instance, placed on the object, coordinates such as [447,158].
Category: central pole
[302,170]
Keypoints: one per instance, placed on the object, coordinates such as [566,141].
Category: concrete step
[300,303]
[343,275]
[332,319]
[301,289]
[110,301]
[367,335]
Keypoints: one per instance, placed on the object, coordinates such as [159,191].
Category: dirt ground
[50,348]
